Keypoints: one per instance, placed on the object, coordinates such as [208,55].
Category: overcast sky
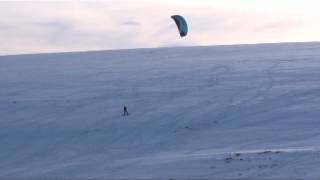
[56,25]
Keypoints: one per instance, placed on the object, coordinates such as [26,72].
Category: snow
[242,111]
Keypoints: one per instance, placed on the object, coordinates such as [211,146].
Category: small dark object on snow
[228,159]
[265,152]
[125,111]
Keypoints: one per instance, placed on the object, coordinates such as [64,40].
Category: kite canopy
[181,24]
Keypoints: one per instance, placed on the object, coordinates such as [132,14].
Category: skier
[125,111]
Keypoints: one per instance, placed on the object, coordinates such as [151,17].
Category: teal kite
[181,24]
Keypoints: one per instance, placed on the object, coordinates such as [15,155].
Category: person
[125,111]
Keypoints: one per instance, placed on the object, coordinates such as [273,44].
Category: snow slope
[243,111]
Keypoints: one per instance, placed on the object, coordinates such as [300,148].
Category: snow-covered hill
[242,111]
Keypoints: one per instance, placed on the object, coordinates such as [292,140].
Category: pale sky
[74,25]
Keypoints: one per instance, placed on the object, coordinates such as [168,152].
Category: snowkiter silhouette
[125,111]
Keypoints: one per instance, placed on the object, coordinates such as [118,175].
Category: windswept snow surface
[245,111]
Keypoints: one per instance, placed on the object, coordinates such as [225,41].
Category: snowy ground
[246,111]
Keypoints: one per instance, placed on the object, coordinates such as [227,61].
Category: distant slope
[196,112]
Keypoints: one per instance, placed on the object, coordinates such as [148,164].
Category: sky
[83,25]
